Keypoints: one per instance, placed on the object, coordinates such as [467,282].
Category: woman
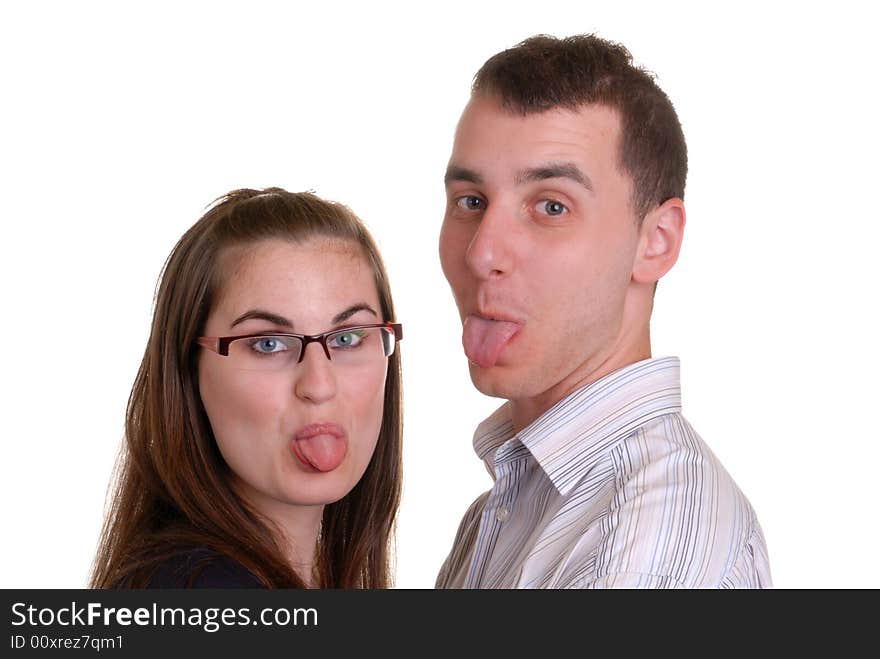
[253,458]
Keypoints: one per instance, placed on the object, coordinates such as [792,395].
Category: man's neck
[524,411]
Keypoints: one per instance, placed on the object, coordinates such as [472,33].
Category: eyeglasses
[348,346]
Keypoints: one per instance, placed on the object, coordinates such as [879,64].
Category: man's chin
[497,381]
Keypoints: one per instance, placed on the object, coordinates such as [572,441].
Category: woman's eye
[347,339]
[550,207]
[470,203]
[268,344]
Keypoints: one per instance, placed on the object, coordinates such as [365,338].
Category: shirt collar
[570,437]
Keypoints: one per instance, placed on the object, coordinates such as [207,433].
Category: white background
[119,124]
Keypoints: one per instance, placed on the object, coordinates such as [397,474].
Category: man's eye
[550,207]
[470,203]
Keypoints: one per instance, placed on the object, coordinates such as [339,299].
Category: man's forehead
[556,143]
[490,108]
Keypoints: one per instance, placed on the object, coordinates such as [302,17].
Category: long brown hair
[172,490]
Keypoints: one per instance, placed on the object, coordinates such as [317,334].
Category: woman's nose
[315,376]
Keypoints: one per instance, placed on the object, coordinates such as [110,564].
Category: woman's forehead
[309,279]
[277,253]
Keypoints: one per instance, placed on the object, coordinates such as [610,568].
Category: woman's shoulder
[202,568]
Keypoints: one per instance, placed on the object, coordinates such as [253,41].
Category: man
[564,191]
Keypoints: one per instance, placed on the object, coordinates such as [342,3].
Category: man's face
[538,244]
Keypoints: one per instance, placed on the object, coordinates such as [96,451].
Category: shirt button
[502,514]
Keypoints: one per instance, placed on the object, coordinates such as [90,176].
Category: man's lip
[496,315]
[323,428]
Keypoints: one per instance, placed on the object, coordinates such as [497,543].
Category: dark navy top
[202,568]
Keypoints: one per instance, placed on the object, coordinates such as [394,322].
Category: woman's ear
[659,241]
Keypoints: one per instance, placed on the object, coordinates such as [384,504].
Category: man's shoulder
[676,514]
[668,452]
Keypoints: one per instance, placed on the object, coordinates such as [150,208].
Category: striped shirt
[610,488]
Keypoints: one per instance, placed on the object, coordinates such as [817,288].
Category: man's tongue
[484,339]
[324,452]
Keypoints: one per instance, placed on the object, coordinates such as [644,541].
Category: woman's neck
[299,526]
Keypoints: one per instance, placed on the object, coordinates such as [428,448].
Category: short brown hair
[545,72]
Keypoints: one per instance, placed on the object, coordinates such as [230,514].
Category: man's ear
[659,241]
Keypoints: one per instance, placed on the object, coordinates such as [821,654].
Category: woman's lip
[315,429]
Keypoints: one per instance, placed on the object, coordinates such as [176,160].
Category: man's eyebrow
[554,170]
[275,319]
[456,173]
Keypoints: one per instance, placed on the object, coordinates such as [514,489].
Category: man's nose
[315,375]
[490,253]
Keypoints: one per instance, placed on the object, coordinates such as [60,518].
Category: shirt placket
[496,512]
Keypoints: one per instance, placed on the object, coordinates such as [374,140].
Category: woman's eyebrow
[352,310]
[275,319]
[260,314]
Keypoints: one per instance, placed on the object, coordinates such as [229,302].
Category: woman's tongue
[323,452]
[484,339]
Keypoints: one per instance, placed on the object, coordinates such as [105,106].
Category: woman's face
[302,434]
